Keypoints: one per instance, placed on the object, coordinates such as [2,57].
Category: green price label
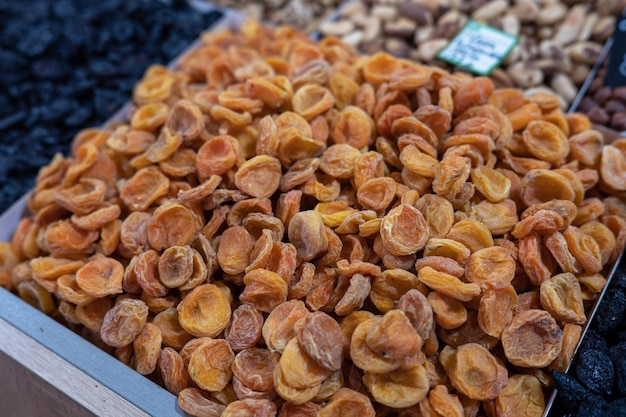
[478,48]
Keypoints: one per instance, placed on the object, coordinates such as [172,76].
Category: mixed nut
[301,14]
[559,41]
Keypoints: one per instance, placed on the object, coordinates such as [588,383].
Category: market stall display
[251,206]
[261,210]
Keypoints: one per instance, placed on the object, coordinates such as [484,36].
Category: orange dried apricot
[449,312]
[490,264]
[363,356]
[404,230]
[321,338]
[101,276]
[532,339]
[144,188]
[205,311]
[521,394]
[123,322]
[173,371]
[401,388]
[216,156]
[172,224]
[448,284]
[306,232]
[546,141]
[147,348]
[210,365]
[476,373]
[259,176]
[347,403]
[195,403]
[561,296]
[244,328]
[497,307]
[264,290]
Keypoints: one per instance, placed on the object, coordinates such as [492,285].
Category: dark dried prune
[69,64]
[49,69]
[102,68]
[34,42]
[123,31]
[56,110]
[79,116]
[616,408]
[64,9]
[619,278]
[571,393]
[611,311]
[593,340]
[594,370]
[12,62]
[11,120]
[617,354]
[592,409]
[77,32]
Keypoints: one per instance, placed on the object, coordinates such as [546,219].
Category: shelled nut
[559,40]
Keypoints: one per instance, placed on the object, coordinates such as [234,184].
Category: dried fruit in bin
[411,236]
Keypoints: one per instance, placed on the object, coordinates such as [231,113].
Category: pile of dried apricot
[283,227]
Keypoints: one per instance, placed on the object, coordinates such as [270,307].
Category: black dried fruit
[611,311]
[594,370]
[570,392]
[616,408]
[593,340]
[592,409]
[617,354]
[35,42]
[70,64]
[619,278]
[11,61]
[10,121]
[50,69]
